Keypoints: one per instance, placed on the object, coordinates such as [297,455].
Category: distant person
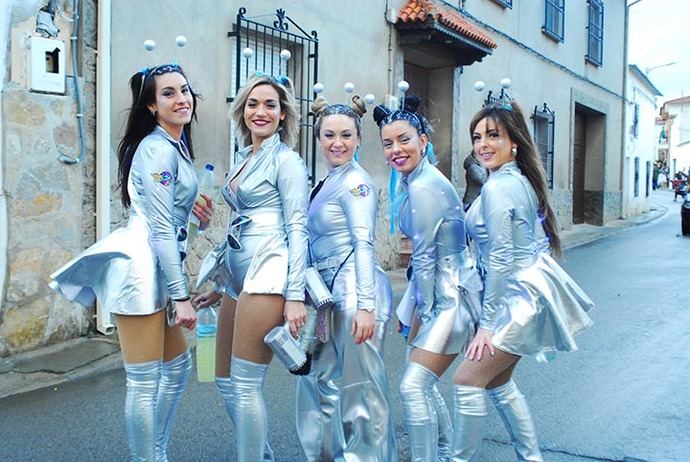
[655,177]
[475,177]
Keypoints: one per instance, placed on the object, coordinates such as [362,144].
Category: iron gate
[258,47]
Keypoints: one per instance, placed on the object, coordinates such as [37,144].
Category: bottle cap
[209,167]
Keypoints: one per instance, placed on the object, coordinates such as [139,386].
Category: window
[544,124]
[636,120]
[648,174]
[595,33]
[554,19]
[505,3]
[637,177]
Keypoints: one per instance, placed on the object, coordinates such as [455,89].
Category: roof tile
[422,10]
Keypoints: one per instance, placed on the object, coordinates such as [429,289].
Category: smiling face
[492,145]
[262,113]
[338,139]
[174,103]
[402,146]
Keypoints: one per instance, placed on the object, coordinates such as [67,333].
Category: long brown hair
[510,117]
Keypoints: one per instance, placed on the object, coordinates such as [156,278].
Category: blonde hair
[288,128]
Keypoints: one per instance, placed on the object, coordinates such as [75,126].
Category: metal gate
[258,47]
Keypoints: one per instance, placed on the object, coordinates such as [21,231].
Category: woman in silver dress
[266,257]
[431,216]
[136,270]
[343,412]
[530,305]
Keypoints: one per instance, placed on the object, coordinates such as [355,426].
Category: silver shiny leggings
[249,408]
[173,383]
[224,385]
[140,409]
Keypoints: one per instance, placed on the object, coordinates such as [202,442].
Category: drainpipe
[624,104]
[104,322]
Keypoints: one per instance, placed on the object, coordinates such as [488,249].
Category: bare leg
[255,316]
[142,345]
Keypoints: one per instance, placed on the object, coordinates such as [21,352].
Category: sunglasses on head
[156,70]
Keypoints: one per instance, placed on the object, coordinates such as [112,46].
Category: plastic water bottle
[206,184]
[206,344]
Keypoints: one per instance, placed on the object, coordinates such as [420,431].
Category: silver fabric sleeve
[292,182]
[150,165]
[360,212]
[497,209]
[425,224]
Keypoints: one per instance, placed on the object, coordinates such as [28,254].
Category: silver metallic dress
[444,285]
[270,222]
[135,270]
[343,412]
[530,303]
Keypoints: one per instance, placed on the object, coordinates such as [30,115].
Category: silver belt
[272,218]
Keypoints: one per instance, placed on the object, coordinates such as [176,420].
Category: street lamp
[650,69]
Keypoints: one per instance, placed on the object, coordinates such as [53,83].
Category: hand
[295,314]
[204,212]
[185,314]
[208,298]
[481,340]
[363,326]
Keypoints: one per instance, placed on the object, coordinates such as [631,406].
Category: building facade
[641,138]
[676,114]
[565,62]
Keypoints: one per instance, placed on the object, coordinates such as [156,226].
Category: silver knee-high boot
[224,385]
[445,425]
[445,421]
[140,409]
[420,416]
[512,407]
[249,408]
[174,377]
[468,424]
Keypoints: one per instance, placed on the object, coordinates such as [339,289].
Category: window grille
[554,19]
[544,120]
[505,3]
[595,33]
[266,42]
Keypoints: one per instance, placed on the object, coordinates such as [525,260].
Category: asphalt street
[622,397]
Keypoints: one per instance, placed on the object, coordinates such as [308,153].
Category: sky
[659,33]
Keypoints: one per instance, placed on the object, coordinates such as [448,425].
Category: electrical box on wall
[46,65]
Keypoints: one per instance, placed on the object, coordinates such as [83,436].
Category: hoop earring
[154,113]
[514,151]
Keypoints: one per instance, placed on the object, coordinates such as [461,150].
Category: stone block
[66,320]
[23,326]
[25,270]
[41,204]
[20,108]
[65,137]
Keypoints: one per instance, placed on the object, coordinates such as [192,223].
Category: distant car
[685,215]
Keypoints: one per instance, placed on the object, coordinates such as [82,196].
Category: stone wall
[51,205]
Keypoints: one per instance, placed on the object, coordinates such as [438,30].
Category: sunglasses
[235,228]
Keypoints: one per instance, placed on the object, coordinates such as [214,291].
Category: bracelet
[184,299]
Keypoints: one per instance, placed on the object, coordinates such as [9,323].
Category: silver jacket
[342,219]
[433,219]
[135,269]
[508,232]
[275,182]
[163,187]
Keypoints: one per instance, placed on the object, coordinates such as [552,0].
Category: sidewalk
[88,356]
